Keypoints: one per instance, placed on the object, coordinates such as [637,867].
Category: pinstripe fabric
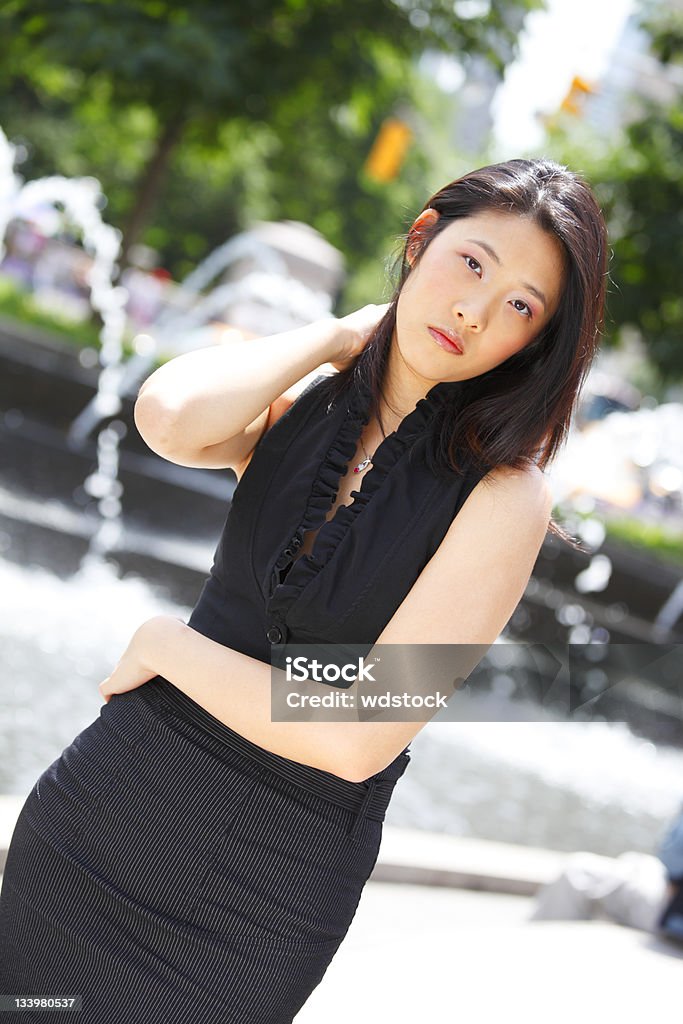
[167,869]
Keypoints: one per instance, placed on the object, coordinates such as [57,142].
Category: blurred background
[175,175]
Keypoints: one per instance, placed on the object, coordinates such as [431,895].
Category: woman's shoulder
[510,494]
[525,480]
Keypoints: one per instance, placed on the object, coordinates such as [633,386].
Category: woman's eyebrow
[487,248]
[494,256]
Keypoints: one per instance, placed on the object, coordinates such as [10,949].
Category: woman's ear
[416,236]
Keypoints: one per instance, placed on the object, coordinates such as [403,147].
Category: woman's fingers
[360,327]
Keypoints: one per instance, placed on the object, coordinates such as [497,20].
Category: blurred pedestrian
[639,890]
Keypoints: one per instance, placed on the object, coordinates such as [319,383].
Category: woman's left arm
[234,687]
[464,596]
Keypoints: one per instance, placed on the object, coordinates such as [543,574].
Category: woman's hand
[359,328]
[135,666]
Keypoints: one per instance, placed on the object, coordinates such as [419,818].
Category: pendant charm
[362,465]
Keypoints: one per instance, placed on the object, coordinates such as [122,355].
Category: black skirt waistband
[365,799]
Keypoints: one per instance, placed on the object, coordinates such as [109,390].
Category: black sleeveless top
[364,560]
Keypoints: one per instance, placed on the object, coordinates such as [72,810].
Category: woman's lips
[445,341]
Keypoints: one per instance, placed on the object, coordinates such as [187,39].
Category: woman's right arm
[210,407]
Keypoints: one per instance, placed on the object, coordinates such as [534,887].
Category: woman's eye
[525,305]
[472,260]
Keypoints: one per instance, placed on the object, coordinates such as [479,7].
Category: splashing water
[81,200]
[269,284]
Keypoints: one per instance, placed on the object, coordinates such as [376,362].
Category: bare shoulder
[508,508]
[505,491]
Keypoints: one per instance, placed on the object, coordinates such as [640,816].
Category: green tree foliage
[215,110]
[637,177]
[643,187]
[664,25]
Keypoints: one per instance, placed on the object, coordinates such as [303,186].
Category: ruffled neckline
[326,485]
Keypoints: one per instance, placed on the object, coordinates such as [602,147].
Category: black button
[274,635]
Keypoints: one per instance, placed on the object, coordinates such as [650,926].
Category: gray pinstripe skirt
[167,869]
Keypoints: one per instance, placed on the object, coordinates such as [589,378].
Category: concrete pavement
[424,954]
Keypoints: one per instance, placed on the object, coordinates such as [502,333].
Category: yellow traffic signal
[389,149]
[571,103]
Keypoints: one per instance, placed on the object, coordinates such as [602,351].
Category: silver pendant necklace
[365,462]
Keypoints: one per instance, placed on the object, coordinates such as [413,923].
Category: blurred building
[473,82]
[633,77]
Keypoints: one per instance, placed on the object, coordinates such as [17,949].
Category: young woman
[188,857]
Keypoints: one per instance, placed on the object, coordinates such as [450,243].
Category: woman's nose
[471,317]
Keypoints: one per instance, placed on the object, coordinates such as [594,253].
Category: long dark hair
[520,411]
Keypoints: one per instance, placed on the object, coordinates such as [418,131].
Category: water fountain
[271,284]
[81,200]
[197,300]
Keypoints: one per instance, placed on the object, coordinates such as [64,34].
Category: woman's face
[492,281]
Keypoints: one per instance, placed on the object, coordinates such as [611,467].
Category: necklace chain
[364,462]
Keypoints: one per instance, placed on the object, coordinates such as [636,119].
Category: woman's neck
[402,389]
